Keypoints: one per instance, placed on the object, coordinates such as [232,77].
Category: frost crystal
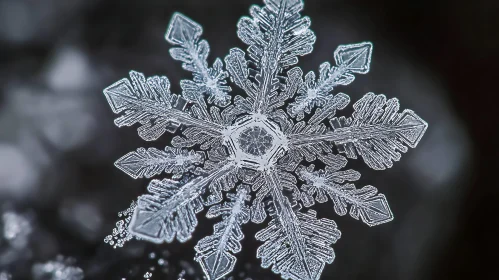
[121,235]
[258,149]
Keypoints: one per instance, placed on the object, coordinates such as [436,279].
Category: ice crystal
[259,148]
[121,235]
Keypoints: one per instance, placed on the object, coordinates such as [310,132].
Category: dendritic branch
[376,132]
[171,209]
[214,252]
[350,59]
[366,203]
[152,162]
[186,33]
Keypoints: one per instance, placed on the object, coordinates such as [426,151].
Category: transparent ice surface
[256,150]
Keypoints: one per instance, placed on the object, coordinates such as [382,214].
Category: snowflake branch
[350,59]
[170,210]
[186,33]
[297,245]
[214,252]
[276,35]
[289,222]
[152,162]
[349,134]
[238,69]
[150,103]
[376,132]
[366,203]
[174,115]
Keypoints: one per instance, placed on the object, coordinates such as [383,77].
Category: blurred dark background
[60,193]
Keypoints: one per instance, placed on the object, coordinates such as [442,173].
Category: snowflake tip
[217,266]
[418,125]
[355,57]
[182,29]
[378,211]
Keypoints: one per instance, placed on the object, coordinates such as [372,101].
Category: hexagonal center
[255,141]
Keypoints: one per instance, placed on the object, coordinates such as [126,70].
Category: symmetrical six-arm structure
[258,150]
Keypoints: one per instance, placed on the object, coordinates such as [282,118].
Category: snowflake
[262,144]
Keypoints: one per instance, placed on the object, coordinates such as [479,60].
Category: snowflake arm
[151,162]
[350,59]
[297,245]
[365,203]
[309,151]
[277,35]
[150,103]
[214,252]
[170,210]
[195,135]
[239,71]
[293,82]
[264,190]
[185,33]
[376,131]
